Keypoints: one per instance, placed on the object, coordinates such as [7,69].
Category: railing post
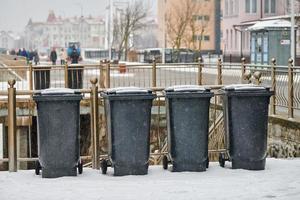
[219,66]
[200,66]
[30,76]
[101,80]
[273,78]
[94,124]
[12,137]
[107,78]
[243,69]
[154,73]
[66,75]
[290,89]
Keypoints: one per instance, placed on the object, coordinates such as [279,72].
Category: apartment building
[207,18]
[238,15]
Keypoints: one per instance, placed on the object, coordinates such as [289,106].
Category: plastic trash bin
[128,118]
[75,77]
[41,78]
[187,109]
[58,117]
[246,124]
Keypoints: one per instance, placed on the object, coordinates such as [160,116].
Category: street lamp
[293,30]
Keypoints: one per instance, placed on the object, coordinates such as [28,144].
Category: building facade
[58,32]
[8,40]
[238,15]
[207,24]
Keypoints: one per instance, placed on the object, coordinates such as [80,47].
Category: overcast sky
[14,14]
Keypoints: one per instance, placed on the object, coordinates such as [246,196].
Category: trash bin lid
[187,88]
[245,87]
[55,91]
[128,90]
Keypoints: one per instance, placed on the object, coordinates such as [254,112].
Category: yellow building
[193,24]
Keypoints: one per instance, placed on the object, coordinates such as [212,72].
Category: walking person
[74,56]
[53,56]
[62,56]
[36,57]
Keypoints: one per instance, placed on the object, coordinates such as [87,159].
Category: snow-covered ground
[280,180]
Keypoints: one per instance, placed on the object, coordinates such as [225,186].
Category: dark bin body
[128,124]
[41,78]
[187,123]
[75,77]
[58,118]
[246,124]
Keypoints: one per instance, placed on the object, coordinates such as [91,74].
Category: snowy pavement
[280,180]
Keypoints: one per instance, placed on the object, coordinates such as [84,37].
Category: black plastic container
[58,115]
[128,118]
[246,125]
[187,122]
[75,77]
[41,78]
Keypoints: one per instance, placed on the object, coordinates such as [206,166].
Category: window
[270,6]
[206,17]
[206,37]
[251,6]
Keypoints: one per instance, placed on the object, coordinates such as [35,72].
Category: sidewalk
[280,180]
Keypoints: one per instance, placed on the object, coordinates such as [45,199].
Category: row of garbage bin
[128,118]
[42,77]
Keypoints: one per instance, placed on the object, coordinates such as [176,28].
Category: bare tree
[126,22]
[185,25]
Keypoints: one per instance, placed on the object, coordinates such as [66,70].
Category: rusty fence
[18,85]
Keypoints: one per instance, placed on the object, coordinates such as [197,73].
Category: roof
[278,23]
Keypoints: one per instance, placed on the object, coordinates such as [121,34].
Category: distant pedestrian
[36,57]
[24,53]
[53,56]
[62,56]
[74,56]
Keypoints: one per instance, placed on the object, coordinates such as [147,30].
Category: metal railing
[283,80]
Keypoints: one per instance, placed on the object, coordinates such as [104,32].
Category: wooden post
[273,79]
[30,76]
[219,66]
[12,137]
[107,78]
[200,66]
[66,75]
[94,124]
[243,69]
[154,73]
[290,89]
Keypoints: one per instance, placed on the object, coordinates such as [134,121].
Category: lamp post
[293,30]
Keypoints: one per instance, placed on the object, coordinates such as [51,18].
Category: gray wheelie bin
[58,117]
[187,109]
[246,123]
[128,117]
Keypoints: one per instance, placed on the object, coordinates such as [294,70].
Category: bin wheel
[104,166]
[207,162]
[222,159]
[37,167]
[165,162]
[80,167]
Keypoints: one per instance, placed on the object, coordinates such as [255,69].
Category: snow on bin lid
[186,88]
[126,90]
[244,87]
[58,91]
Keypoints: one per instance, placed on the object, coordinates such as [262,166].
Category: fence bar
[290,89]
[107,73]
[154,73]
[101,78]
[243,69]
[273,78]
[219,66]
[200,66]
[30,76]
[94,123]
[66,76]
[12,136]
